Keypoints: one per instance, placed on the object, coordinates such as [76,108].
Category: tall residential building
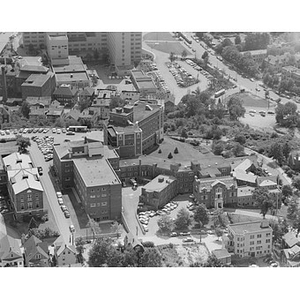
[125,48]
[36,39]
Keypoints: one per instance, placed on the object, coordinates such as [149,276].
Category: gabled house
[36,253]
[10,253]
[71,114]
[87,93]
[65,254]
[134,242]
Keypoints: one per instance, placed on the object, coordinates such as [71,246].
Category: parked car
[67,214]
[173,234]
[72,228]
[64,208]
[60,201]
[188,240]
[40,170]
[70,133]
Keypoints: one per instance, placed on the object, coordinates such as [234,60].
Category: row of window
[98,204]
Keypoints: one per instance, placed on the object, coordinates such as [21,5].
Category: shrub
[176,150]
[170,155]
[159,151]
[148,244]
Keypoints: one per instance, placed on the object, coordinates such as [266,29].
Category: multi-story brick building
[215,193]
[159,191]
[90,168]
[134,130]
[38,85]
[249,238]
[24,187]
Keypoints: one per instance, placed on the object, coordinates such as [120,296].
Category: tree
[218,148]
[166,224]
[235,108]
[184,133]
[25,109]
[240,138]
[263,199]
[296,182]
[80,249]
[176,150]
[115,228]
[219,232]
[183,219]
[201,215]
[204,55]
[116,102]
[287,191]
[170,156]
[100,252]
[292,209]
[237,149]
[23,143]
[212,261]
[84,103]
[172,56]
[184,54]
[279,228]
[276,152]
[95,227]
[237,39]
[151,258]
[286,149]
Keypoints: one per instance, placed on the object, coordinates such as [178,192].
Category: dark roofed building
[66,95]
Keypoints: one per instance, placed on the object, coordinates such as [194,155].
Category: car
[58,131]
[54,130]
[64,130]
[258,89]
[173,234]
[58,194]
[252,79]
[67,214]
[35,130]
[63,208]
[184,233]
[274,265]
[60,201]
[72,228]
[41,130]
[70,133]
[209,232]
[251,114]
[188,240]
[40,170]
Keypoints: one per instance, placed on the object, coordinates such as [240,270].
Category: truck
[220,93]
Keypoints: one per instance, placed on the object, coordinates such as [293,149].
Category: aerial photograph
[149,149]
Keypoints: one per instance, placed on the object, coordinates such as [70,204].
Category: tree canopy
[201,214]
[183,219]
[235,108]
[23,143]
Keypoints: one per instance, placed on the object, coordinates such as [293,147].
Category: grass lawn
[162,36]
[168,47]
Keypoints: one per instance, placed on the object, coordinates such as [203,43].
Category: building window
[259,236]
[268,241]
[252,243]
[268,234]
[93,205]
[37,204]
[104,195]
[29,205]
[103,203]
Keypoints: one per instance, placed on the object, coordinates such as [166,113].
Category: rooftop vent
[161,179]
[25,176]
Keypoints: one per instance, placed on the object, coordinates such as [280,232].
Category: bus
[219,93]
[77,128]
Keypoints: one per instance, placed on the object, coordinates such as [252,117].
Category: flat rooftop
[159,183]
[71,77]
[7,148]
[143,110]
[37,80]
[62,37]
[245,191]
[30,61]
[249,227]
[96,172]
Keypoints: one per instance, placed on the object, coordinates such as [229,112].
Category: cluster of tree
[167,224]
[235,108]
[104,254]
[287,115]
[280,151]
[256,41]
[23,143]
[228,149]
[42,233]
[280,228]
[267,200]
[293,213]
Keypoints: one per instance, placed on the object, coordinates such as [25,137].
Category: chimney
[3,72]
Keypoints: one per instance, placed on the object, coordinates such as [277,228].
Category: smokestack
[4,84]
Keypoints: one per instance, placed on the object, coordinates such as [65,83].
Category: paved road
[241,81]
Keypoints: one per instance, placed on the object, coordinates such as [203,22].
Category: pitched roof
[65,90]
[241,175]
[9,249]
[24,179]
[291,239]
[72,113]
[35,246]
[209,183]
[221,253]
[17,161]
